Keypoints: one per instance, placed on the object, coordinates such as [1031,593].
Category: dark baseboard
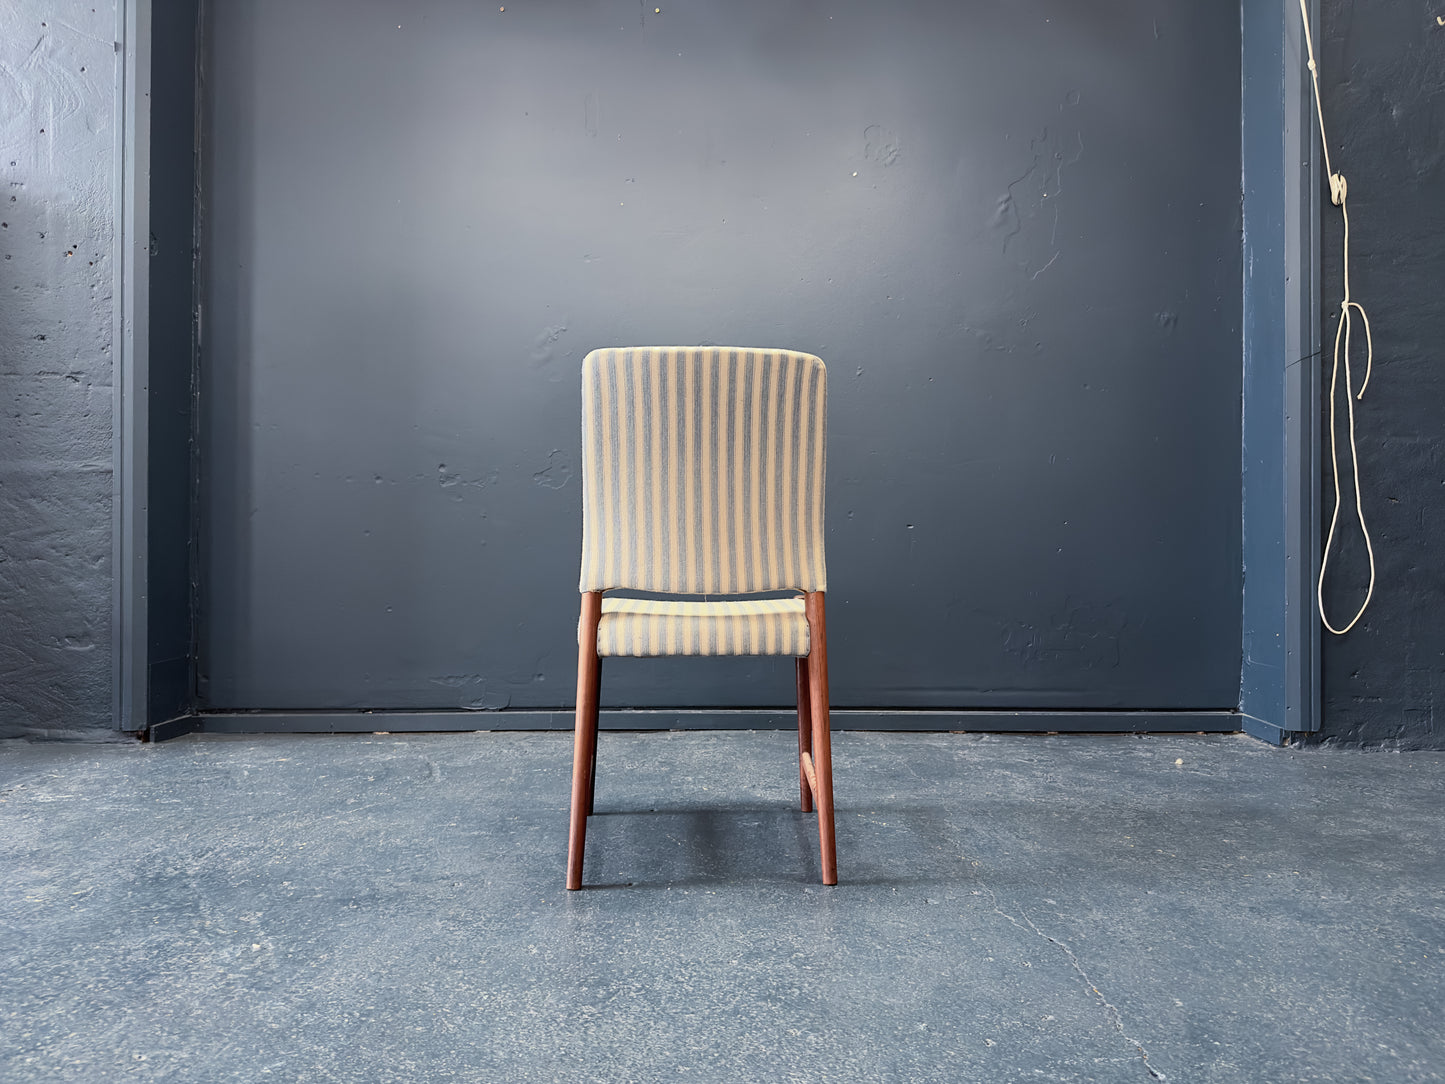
[401,722]
[173,728]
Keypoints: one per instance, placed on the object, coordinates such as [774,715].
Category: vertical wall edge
[1279,666]
[1302,175]
[131,298]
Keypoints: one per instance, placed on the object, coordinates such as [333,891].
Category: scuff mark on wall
[1080,635]
[558,471]
[544,346]
[1026,216]
[591,113]
[449,478]
[880,145]
[474,692]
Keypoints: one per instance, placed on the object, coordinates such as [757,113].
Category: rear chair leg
[805,733]
[596,711]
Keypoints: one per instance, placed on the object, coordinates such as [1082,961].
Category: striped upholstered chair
[702,474]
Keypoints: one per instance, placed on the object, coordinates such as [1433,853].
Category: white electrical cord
[1338,190]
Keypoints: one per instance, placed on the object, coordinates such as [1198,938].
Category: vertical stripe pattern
[703,470]
[644,627]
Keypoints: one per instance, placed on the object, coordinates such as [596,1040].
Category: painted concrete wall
[1011,230]
[1382,63]
[57,74]
[57,103]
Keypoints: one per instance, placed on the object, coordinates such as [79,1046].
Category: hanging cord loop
[1349,308]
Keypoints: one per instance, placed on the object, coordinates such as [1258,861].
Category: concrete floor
[1012,908]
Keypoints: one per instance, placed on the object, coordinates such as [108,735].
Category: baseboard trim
[173,728]
[1266,732]
[405,722]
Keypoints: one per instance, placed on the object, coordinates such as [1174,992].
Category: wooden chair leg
[805,734]
[822,739]
[584,741]
[596,702]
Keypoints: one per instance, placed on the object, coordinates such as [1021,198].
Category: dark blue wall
[1381,63]
[1012,230]
[1380,683]
[171,462]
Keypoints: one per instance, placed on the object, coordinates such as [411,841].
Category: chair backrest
[702,470]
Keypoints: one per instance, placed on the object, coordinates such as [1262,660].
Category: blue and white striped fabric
[634,626]
[703,473]
[703,470]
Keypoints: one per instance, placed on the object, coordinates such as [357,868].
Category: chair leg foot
[584,744]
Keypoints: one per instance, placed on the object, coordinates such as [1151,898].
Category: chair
[702,474]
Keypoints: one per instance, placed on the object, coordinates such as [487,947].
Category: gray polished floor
[1011,908]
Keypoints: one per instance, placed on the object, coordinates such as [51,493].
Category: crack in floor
[1074,960]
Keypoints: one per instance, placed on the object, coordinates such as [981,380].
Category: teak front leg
[584,741]
[822,738]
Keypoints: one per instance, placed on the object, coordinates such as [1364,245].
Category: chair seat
[638,627]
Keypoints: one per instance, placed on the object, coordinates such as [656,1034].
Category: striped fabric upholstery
[702,471]
[632,626]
